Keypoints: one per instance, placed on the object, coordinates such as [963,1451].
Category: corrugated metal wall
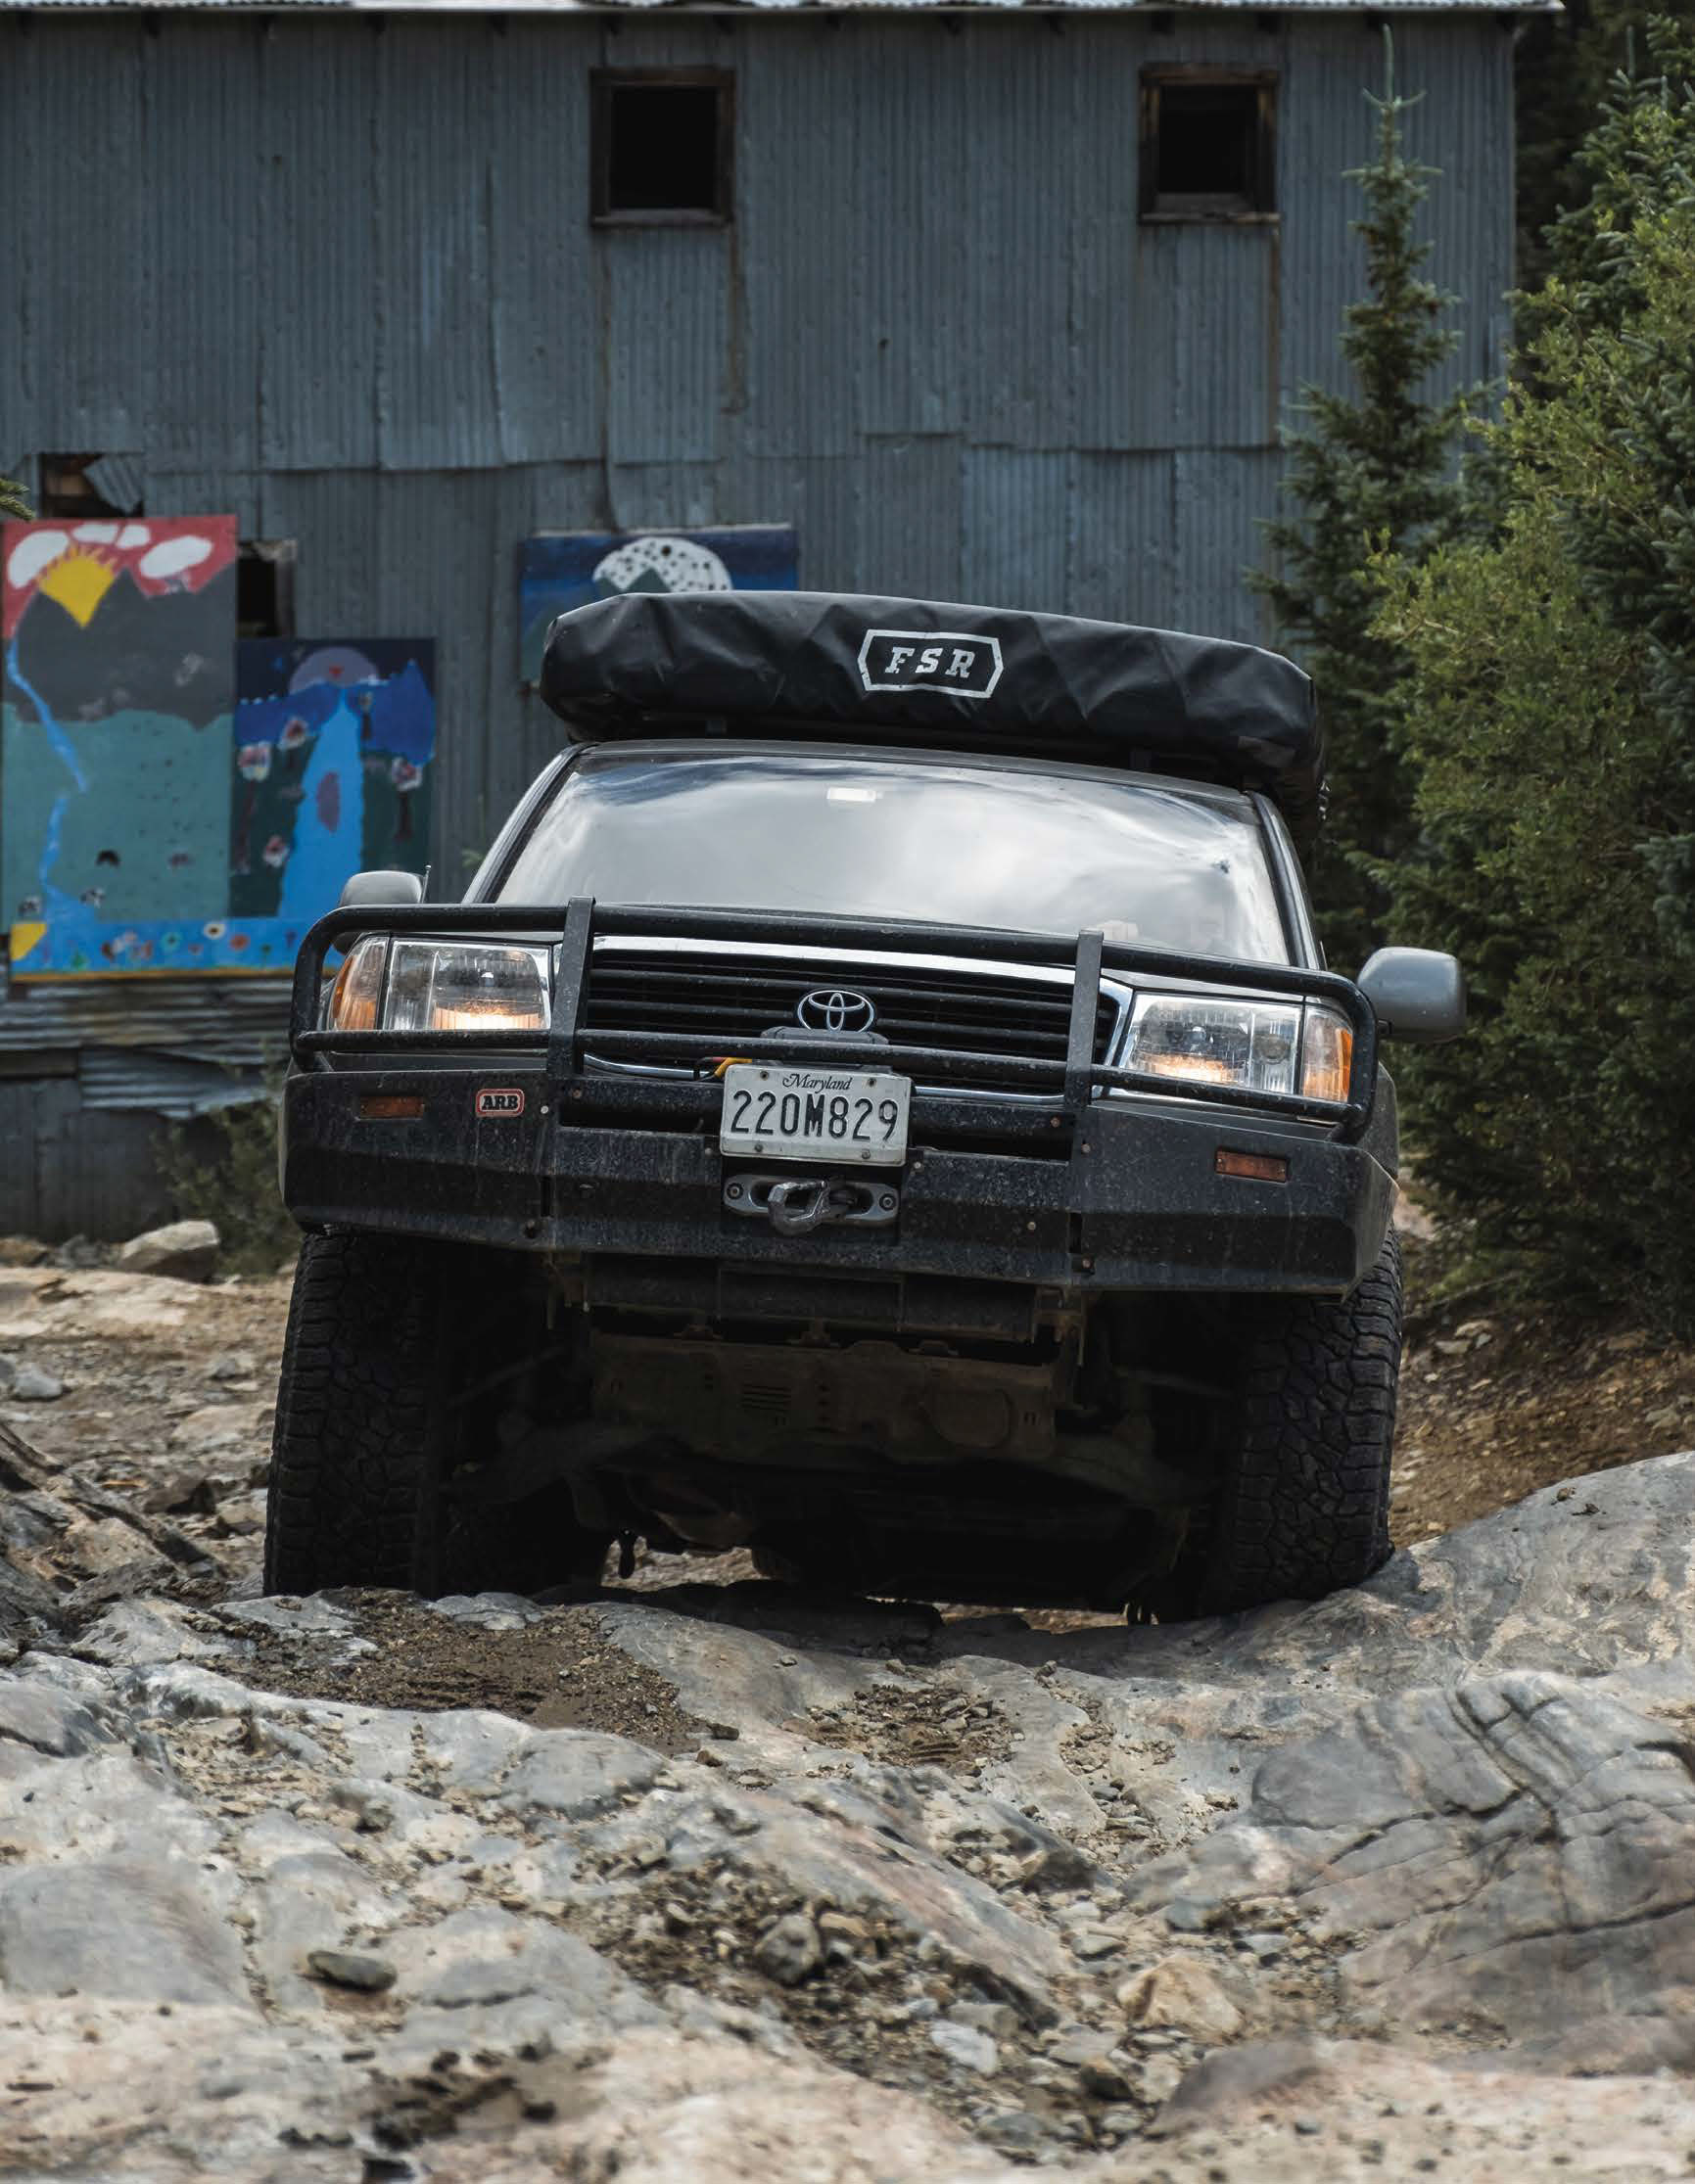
[336,273]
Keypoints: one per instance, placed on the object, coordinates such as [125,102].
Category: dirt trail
[1494,1404]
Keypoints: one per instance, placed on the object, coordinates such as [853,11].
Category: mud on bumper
[1125,1199]
[1054,1182]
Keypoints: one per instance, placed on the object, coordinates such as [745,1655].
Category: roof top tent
[922,672]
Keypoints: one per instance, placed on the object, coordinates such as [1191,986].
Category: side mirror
[367,891]
[1416,994]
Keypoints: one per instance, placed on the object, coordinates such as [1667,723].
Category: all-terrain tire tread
[350,1467]
[1305,1510]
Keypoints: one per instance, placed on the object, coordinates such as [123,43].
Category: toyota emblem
[828,1009]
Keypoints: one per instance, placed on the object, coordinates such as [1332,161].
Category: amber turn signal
[358,988]
[390,1107]
[1257,1167]
[1327,1055]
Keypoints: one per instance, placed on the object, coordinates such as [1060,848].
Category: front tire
[389,1339]
[1304,1506]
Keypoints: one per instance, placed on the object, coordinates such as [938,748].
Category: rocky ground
[704,1879]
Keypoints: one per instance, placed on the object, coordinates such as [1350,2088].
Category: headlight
[1253,1046]
[440,986]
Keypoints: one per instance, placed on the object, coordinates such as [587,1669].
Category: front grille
[729,999]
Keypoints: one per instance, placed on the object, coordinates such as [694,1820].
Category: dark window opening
[660,146]
[1208,144]
[264,588]
[85,488]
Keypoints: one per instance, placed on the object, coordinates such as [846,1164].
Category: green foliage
[1566,61]
[236,1189]
[1372,471]
[1549,713]
[12,501]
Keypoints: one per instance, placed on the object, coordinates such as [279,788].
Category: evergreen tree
[1550,710]
[13,502]
[1566,61]
[1372,473]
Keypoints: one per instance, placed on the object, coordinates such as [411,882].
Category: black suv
[881,1105]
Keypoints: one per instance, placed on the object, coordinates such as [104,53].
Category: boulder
[187,1249]
[1180,1992]
[222,1425]
[20,1382]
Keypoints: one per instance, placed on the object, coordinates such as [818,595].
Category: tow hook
[795,1205]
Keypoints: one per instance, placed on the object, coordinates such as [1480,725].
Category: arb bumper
[519,1141]
[1135,1200]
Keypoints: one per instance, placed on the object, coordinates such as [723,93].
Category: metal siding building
[333,270]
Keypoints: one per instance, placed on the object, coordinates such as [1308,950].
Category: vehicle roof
[596,756]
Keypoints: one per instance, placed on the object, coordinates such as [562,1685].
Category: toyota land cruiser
[880,1103]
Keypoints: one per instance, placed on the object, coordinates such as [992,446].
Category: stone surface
[1184,1994]
[790,1950]
[184,1249]
[23,1382]
[219,1427]
[344,1968]
[966,2046]
[1518,1850]
[116,1929]
[1394,1882]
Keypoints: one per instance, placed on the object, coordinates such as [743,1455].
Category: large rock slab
[116,1929]
[187,1250]
[1349,1888]
[1516,1851]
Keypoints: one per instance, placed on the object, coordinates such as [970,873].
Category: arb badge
[967,666]
[499,1099]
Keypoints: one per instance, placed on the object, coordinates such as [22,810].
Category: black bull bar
[1087,956]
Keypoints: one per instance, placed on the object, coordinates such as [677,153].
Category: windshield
[945,841]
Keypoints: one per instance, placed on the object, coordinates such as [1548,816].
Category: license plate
[780,1113]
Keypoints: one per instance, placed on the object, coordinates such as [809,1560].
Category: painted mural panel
[171,802]
[559,569]
[333,749]
[118,698]
[327,772]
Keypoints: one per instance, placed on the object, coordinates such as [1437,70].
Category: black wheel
[1304,1506]
[401,1362]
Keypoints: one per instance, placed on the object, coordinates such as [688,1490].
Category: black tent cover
[927,671]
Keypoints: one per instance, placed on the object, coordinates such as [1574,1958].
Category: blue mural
[334,743]
[82,945]
[559,569]
[176,803]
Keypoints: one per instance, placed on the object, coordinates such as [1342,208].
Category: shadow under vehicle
[881,1102]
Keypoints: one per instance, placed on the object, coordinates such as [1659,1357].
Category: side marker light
[1256,1167]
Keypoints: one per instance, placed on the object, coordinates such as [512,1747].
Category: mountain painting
[559,569]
